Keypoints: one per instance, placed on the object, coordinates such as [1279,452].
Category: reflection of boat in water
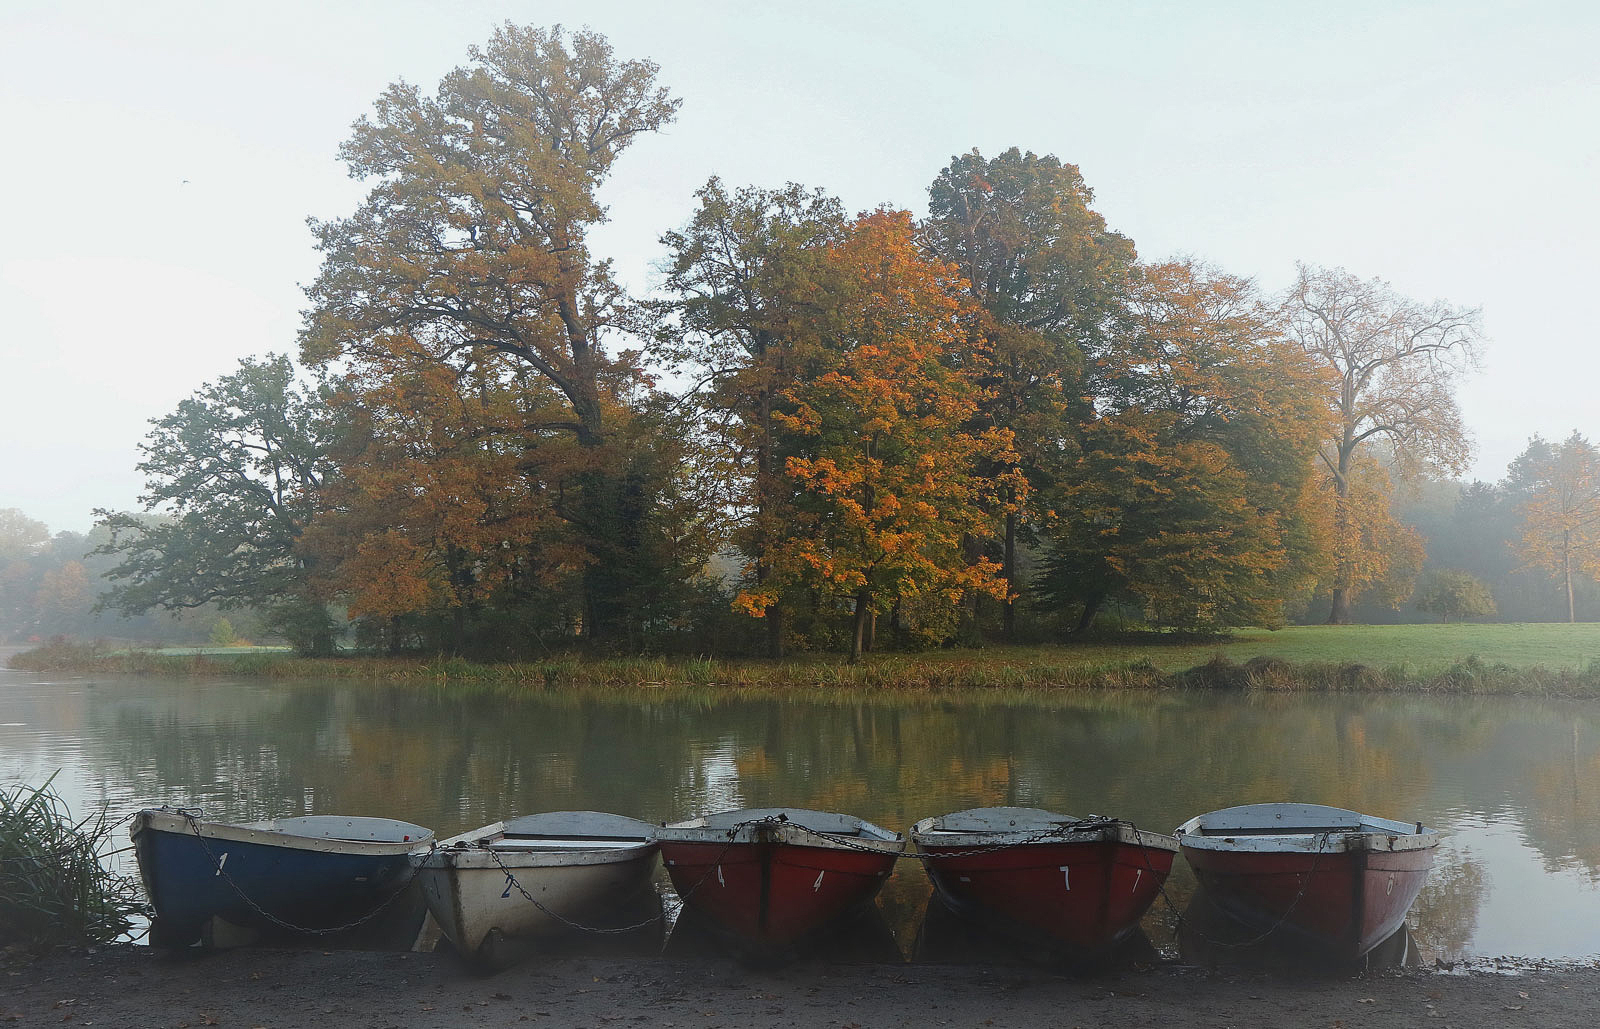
[946,937]
[315,873]
[495,889]
[770,877]
[1336,880]
[1209,937]
[1076,885]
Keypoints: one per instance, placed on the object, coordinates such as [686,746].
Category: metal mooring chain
[733,832]
[1305,883]
[1041,836]
[192,816]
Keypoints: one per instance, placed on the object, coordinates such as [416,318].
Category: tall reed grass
[55,890]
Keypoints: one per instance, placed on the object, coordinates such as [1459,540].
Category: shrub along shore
[1240,663]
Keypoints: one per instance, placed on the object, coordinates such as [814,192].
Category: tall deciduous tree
[1394,364]
[1050,274]
[240,466]
[1560,484]
[886,478]
[474,239]
[1190,494]
[745,278]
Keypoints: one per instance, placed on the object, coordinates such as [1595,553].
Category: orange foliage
[883,465]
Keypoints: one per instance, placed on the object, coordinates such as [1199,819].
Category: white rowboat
[536,876]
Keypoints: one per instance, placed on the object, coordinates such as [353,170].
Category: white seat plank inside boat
[545,843]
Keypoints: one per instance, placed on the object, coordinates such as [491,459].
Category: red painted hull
[772,893]
[1084,896]
[1345,902]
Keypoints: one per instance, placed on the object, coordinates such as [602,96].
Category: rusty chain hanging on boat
[192,816]
[733,833]
[1316,859]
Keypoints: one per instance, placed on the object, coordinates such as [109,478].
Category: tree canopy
[994,422]
[1394,364]
[239,469]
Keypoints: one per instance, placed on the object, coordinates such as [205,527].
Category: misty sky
[161,159]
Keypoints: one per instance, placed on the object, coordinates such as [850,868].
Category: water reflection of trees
[456,760]
[1450,901]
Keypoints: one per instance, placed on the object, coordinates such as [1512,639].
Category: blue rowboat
[311,874]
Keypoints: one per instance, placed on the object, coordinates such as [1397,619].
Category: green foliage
[1051,278]
[1451,593]
[222,634]
[54,889]
[240,466]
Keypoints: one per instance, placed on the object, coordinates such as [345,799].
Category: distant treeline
[821,430]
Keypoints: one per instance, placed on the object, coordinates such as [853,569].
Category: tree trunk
[863,607]
[775,631]
[1091,607]
[1566,574]
[1008,625]
[1339,612]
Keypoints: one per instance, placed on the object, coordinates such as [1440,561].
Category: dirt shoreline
[286,989]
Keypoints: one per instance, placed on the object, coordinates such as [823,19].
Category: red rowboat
[771,876]
[1082,884]
[1339,880]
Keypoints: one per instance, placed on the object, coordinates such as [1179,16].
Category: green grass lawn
[1525,645]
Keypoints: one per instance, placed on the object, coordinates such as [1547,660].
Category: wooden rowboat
[1080,885]
[314,873]
[769,877]
[536,876]
[1338,880]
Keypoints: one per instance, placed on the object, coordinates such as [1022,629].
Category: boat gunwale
[1038,832]
[1321,833]
[261,833]
[475,848]
[767,827]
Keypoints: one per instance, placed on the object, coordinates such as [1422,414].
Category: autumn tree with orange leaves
[1560,484]
[433,513]
[473,242]
[1193,494]
[745,275]
[1393,364]
[885,468]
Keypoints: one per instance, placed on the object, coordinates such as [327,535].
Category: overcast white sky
[1448,147]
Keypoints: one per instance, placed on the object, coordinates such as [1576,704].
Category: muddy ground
[137,986]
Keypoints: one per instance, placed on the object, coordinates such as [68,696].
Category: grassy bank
[1546,659]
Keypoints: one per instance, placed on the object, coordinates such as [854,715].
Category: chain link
[192,816]
[569,923]
[732,837]
[1209,940]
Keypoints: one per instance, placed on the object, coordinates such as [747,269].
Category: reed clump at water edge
[997,668]
[55,889]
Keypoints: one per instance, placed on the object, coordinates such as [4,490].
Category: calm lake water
[1514,783]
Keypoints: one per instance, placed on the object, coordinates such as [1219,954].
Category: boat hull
[777,883]
[1341,892]
[473,890]
[1083,895]
[265,878]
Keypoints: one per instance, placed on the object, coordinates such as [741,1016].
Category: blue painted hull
[191,879]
